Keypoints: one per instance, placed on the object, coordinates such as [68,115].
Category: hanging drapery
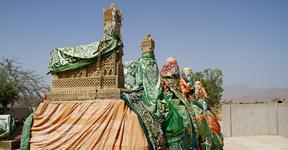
[97,124]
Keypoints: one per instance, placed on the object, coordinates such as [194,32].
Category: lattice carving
[108,61]
[93,70]
[102,79]
[106,73]
[75,94]
[73,74]
[76,82]
[109,81]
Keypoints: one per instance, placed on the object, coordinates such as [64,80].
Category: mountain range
[244,93]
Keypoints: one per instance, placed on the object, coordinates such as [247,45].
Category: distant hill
[243,93]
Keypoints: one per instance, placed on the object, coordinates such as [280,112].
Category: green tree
[17,84]
[212,81]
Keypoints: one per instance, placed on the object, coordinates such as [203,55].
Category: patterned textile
[132,78]
[170,69]
[26,132]
[214,124]
[150,77]
[170,79]
[143,73]
[143,81]
[64,59]
[202,125]
[187,90]
[204,114]
[142,78]
[152,128]
[186,82]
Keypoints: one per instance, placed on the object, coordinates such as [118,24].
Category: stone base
[9,145]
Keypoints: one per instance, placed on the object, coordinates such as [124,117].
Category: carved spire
[147,44]
[112,19]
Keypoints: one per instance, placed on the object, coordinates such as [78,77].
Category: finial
[147,43]
[148,35]
[112,19]
[113,5]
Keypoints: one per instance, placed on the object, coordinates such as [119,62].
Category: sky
[246,39]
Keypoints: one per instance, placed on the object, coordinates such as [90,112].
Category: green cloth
[26,132]
[187,116]
[217,141]
[142,78]
[180,131]
[70,58]
[151,128]
[170,79]
[180,108]
[173,124]
[202,108]
[202,124]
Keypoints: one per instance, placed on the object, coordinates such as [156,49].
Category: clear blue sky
[247,39]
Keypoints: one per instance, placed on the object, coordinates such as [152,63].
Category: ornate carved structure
[147,44]
[101,80]
[112,19]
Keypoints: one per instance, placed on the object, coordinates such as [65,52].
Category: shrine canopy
[70,58]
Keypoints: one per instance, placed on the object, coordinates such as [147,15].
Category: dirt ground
[256,143]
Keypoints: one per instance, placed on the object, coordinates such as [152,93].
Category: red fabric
[186,89]
[214,123]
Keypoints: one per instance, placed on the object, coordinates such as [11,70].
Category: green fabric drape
[143,79]
[216,138]
[70,58]
[155,141]
[26,132]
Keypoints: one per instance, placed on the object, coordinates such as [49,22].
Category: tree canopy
[18,84]
[212,80]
